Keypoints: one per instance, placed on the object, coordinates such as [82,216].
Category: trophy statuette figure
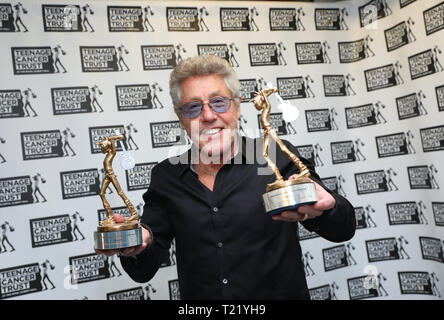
[110,234]
[282,194]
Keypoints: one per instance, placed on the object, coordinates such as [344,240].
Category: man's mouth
[211,132]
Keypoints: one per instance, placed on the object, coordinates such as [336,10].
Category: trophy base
[107,240]
[290,196]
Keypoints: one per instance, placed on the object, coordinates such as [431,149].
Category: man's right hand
[130,251]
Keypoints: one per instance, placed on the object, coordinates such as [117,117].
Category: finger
[278,217]
[293,218]
[132,251]
[126,251]
[289,216]
[107,253]
[118,218]
[99,251]
[309,210]
[324,204]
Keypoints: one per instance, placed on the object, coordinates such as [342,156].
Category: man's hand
[130,251]
[304,212]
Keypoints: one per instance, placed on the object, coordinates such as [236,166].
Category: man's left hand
[304,212]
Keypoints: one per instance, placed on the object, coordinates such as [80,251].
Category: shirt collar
[238,157]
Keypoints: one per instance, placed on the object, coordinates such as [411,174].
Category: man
[210,200]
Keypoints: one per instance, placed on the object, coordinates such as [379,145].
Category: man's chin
[215,151]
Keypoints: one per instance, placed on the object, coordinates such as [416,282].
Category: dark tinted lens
[219,104]
[192,109]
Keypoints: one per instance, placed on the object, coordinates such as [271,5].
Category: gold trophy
[110,234]
[282,195]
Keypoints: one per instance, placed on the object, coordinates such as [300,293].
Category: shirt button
[224,281]
[220,244]
[215,209]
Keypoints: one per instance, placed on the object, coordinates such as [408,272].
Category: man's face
[212,132]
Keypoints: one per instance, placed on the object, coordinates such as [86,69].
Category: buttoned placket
[216,209]
[216,212]
[217,218]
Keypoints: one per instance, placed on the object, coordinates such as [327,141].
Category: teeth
[211,131]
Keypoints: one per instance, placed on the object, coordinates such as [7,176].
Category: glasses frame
[207,102]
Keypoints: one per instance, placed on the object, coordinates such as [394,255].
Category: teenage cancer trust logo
[384,77]
[295,87]
[432,138]
[425,63]
[173,286]
[433,18]
[438,213]
[50,230]
[353,51]
[139,177]
[395,144]
[47,144]
[11,17]
[66,18]
[375,181]
[41,144]
[399,35]
[338,256]
[130,19]
[98,133]
[73,100]
[440,97]
[432,249]
[37,60]
[160,57]
[20,280]
[386,249]
[138,97]
[89,267]
[16,103]
[286,19]
[331,19]
[364,287]
[407,212]
[266,54]
[16,191]
[127,294]
[417,282]
[312,52]
[166,134]
[104,58]
[80,183]
[186,19]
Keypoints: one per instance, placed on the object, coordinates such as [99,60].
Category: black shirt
[227,246]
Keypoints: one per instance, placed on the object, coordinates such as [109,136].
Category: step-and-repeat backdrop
[366,77]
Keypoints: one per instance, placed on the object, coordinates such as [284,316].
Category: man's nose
[207,113]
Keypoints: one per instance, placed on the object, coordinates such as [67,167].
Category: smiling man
[210,201]
[209,114]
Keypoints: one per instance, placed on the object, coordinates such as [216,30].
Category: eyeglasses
[194,108]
